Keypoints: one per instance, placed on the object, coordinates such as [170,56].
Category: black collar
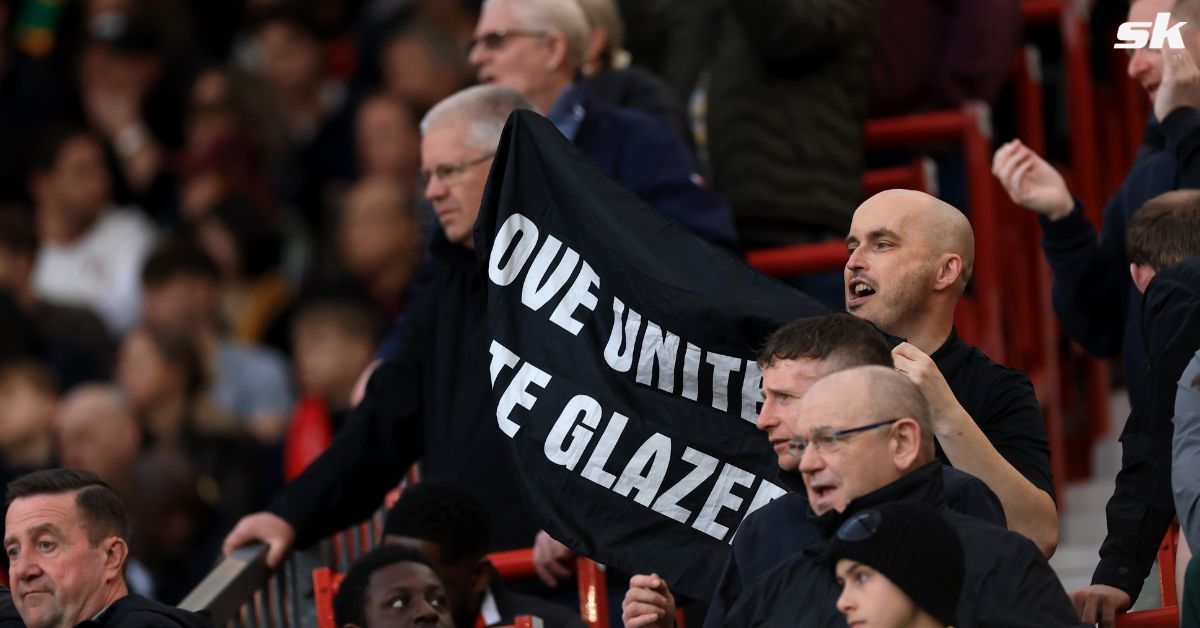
[923,485]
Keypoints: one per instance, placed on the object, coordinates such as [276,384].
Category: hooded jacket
[1142,505]
[1008,582]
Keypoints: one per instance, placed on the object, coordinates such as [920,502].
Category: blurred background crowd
[210,210]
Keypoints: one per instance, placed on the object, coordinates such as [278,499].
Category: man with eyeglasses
[792,359]
[862,439]
[538,48]
[911,256]
[432,399]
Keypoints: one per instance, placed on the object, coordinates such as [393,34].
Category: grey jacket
[1185,456]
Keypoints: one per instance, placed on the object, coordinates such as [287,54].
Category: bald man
[911,256]
[861,438]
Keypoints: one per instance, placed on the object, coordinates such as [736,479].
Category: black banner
[622,363]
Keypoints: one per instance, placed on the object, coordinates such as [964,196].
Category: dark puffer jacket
[787,97]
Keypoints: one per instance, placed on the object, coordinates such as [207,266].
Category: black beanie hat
[911,544]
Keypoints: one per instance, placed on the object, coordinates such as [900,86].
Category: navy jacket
[648,158]
[782,528]
[1093,295]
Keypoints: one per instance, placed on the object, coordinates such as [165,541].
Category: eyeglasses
[832,440]
[448,174]
[860,527]
[495,39]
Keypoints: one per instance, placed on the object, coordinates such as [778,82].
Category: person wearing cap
[899,565]
[861,440]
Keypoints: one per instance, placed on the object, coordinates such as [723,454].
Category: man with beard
[911,257]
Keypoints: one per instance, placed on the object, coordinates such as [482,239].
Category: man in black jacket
[1093,297]
[431,400]
[65,538]
[862,439]
[792,359]
[911,256]
[1163,243]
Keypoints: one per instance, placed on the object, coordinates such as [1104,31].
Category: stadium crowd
[240,298]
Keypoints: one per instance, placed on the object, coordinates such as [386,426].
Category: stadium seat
[1168,615]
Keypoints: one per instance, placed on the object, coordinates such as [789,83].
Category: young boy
[900,565]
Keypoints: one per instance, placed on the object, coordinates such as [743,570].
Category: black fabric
[1093,295]
[644,460]
[1142,505]
[136,611]
[510,604]
[1004,406]
[9,618]
[429,400]
[913,546]
[782,528]
[1008,582]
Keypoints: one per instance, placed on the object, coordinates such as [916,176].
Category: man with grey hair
[539,48]
[431,399]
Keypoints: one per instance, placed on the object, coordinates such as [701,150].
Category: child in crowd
[28,401]
[334,341]
[900,565]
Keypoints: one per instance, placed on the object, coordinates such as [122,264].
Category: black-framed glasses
[493,40]
[449,173]
[861,526]
[832,440]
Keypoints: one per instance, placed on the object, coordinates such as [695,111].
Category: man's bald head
[882,423]
[944,228]
[911,256]
[878,392]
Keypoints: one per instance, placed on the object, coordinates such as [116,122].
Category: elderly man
[862,439]
[538,48]
[431,400]
[910,259]
[65,536]
[793,358]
